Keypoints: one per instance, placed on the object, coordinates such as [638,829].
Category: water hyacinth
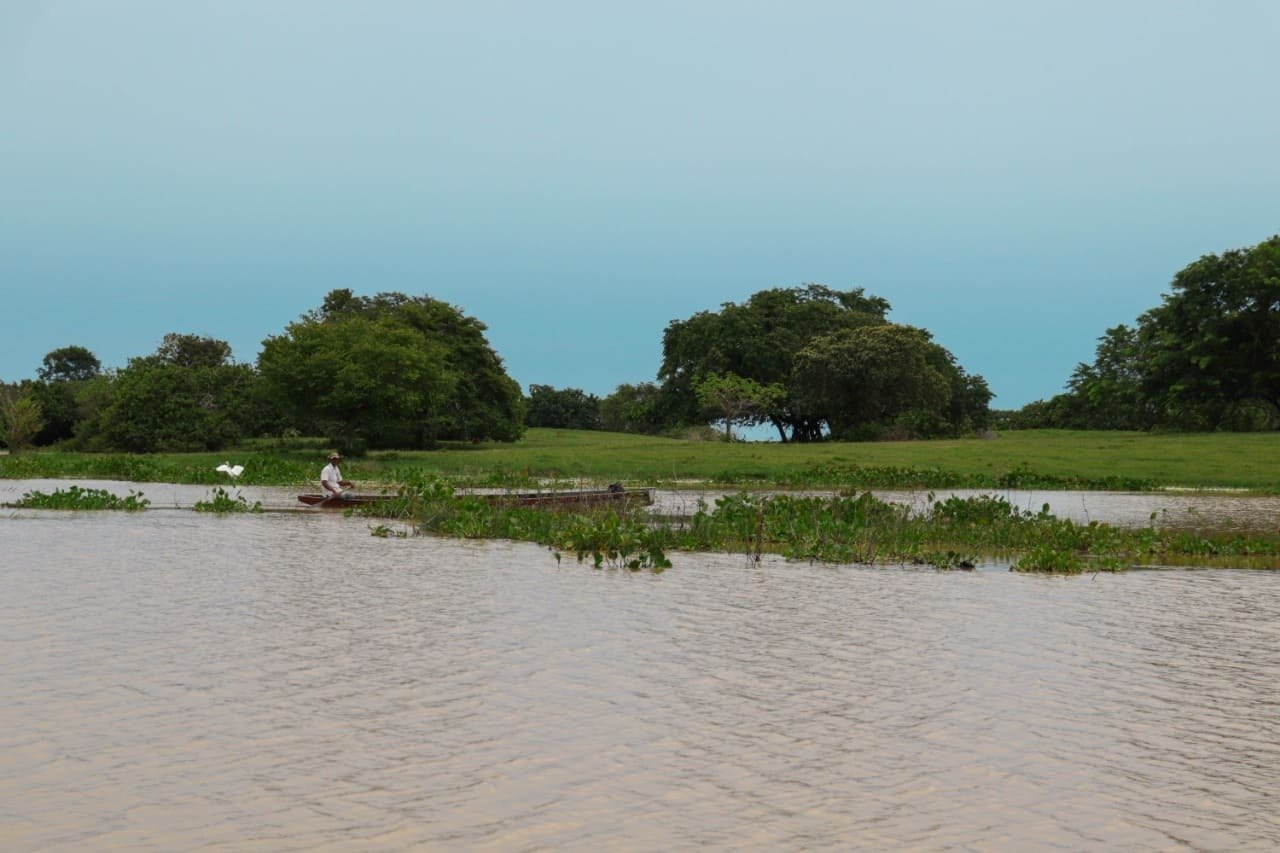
[951,533]
[78,498]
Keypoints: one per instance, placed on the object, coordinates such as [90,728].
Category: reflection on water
[287,681]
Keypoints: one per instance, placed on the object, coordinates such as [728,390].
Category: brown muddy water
[285,681]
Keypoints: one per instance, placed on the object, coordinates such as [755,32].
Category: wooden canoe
[343,502]
[586,498]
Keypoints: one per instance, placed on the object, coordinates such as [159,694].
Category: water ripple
[175,681]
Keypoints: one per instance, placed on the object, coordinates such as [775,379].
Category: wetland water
[174,680]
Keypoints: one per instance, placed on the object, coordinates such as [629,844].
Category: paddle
[321,503]
[345,484]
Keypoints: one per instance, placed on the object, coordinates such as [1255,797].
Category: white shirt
[330,474]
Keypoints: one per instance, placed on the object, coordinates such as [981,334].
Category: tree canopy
[733,399]
[639,408]
[69,364]
[869,375]
[565,408]
[1208,357]
[63,374]
[391,370]
[816,351]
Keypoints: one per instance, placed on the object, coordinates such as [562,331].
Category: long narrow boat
[590,497]
[343,501]
[583,498]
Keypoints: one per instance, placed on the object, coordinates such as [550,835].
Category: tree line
[395,371]
[383,371]
[809,362]
[1207,358]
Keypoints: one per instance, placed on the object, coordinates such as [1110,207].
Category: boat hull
[570,500]
[589,498]
[342,502]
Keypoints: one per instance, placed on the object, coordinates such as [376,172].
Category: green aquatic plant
[222,502]
[954,533]
[76,497]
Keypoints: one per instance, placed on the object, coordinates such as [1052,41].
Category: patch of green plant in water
[222,502]
[851,477]
[79,498]
[608,536]
[952,533]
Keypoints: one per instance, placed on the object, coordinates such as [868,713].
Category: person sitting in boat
[331,482]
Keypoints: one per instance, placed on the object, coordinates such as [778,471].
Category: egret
[230,470]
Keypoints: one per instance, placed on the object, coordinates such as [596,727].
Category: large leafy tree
[1213,347]
[1107,394]
[69,364]
[759,341]
[635,408]
[871,376]
[1208,357]
[20,418]
[187,395]
[354,378]
[63,374]
[156,406]
[392,370]
[193,351]
[563,408]
[736,400]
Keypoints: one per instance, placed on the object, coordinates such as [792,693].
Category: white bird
[230,470]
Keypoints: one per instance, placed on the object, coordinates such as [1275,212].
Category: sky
[1014,177]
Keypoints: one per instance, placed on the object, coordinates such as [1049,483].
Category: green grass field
[1220,460]
[1248,461]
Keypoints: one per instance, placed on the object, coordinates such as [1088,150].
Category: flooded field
[286,681]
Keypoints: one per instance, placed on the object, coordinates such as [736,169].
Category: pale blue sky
[1014,176]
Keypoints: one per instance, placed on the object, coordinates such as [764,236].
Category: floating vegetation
[954,533]
[80,498]
[852,477]
[222,501]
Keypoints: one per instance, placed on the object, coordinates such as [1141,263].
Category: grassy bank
[1039,458]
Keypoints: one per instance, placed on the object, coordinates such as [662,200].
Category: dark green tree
[356,379]
[1107,394]
[1207,358]
[1211,351]
[564,408]
[155,406]
[392,370]
[62,373]
[20,418]
[868,377]
[759,340]
[193,351]
[734,400]
[636,409]
[69,364]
